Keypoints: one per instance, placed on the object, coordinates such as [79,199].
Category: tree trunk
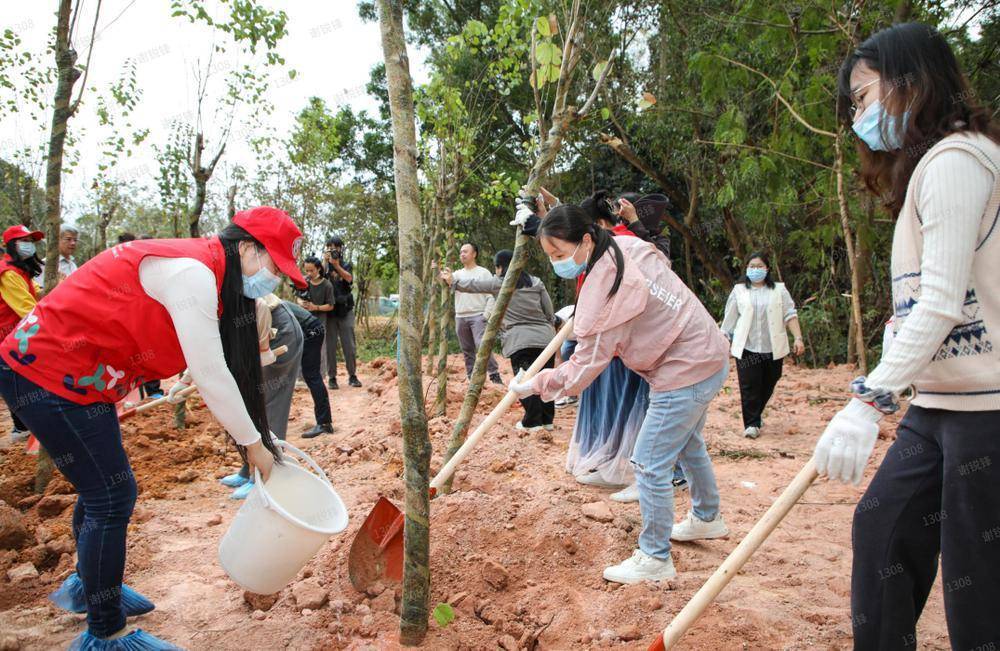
[447,314]
[416,443]
[852,260]
[231,201]
[201,175]
[67,75]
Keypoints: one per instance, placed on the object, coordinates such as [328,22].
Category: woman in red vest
[18,292]
[139,311]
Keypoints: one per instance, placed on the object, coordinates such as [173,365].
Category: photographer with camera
[340,320]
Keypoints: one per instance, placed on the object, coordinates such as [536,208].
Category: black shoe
[320,428]
[333,383]
[496,379]
[354,381]
[680,484]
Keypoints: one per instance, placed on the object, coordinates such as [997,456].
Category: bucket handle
[288,447]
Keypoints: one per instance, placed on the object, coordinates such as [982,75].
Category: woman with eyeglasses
[932,153]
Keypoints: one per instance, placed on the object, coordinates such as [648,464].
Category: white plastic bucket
[281,525]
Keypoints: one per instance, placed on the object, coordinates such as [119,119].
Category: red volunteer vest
[8,317]
[98,335]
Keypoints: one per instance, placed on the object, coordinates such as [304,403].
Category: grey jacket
[529,317]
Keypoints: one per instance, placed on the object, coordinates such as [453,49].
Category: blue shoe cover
[242,492]
[156,396]
[234,480]
[70,597]
[137,640]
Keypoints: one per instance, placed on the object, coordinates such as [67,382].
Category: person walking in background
[525,331]
[340,320]
[757,312]
[18,292]
[469,320]
[931,151]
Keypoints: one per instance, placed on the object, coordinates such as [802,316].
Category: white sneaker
[595,479]
[628,494]
[641,567]
[550,426]
[522,428]
[18,435]
[566,401]
[691,528]
[751,432]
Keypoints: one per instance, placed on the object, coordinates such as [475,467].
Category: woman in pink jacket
[631,305]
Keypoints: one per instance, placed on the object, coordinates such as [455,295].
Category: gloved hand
[847,443]
[181,384]
[524,211]
[267,357]
[522,389]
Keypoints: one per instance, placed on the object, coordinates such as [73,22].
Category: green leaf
[444,614]
[544,53]
[605,113]
[542,25]
[554,73]
[599,70]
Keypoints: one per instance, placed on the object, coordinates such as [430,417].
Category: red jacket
[98,334]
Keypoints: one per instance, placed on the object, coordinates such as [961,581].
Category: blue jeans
[672,432]
[85,444]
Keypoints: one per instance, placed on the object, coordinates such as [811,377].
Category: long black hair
[240,342]
[570,223]
[502,260]
[768,279]
[31,266]
[597,209]
[918,64]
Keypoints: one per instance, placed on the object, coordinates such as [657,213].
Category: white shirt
[759,338]
[467,304]
[66,267]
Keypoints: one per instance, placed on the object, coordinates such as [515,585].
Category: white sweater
[946,281]
[467,304]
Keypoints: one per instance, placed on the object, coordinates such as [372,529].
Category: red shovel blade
[377,551]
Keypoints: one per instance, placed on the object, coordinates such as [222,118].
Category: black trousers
[312,348]
[758,373]
[937,493]
[536,411]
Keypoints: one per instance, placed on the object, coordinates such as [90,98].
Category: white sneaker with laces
[751,432]
[628,494]
[641,567]
[691,528]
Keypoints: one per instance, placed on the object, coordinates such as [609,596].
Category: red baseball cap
[18,231]
[280,236]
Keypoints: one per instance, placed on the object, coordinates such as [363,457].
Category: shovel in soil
[377,551]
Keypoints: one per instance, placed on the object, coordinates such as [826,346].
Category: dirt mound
[516,550]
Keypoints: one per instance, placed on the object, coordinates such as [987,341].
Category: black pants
[937,492]
[536,411]
[758,373]
[18,424]
[312,348]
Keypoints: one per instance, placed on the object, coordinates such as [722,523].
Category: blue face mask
[261,283]
[869,127]
[25,249]
[756,275]
[569,268]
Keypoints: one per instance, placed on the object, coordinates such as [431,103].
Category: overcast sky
[328,46]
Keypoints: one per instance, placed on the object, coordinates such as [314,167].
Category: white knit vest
[964,373]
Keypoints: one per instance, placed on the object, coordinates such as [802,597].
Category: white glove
[267,357]
[847,443]
[522,389]
[178,386]
[524,211]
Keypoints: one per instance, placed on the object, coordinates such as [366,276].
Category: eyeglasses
[857,105]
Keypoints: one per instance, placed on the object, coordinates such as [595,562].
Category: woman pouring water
[139,311]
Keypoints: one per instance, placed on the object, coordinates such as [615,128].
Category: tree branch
[90,51]
[770,151]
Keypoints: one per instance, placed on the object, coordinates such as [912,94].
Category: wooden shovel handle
[128,413]
[736,559]
[498,411]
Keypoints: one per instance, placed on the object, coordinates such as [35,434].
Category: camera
[334,254]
